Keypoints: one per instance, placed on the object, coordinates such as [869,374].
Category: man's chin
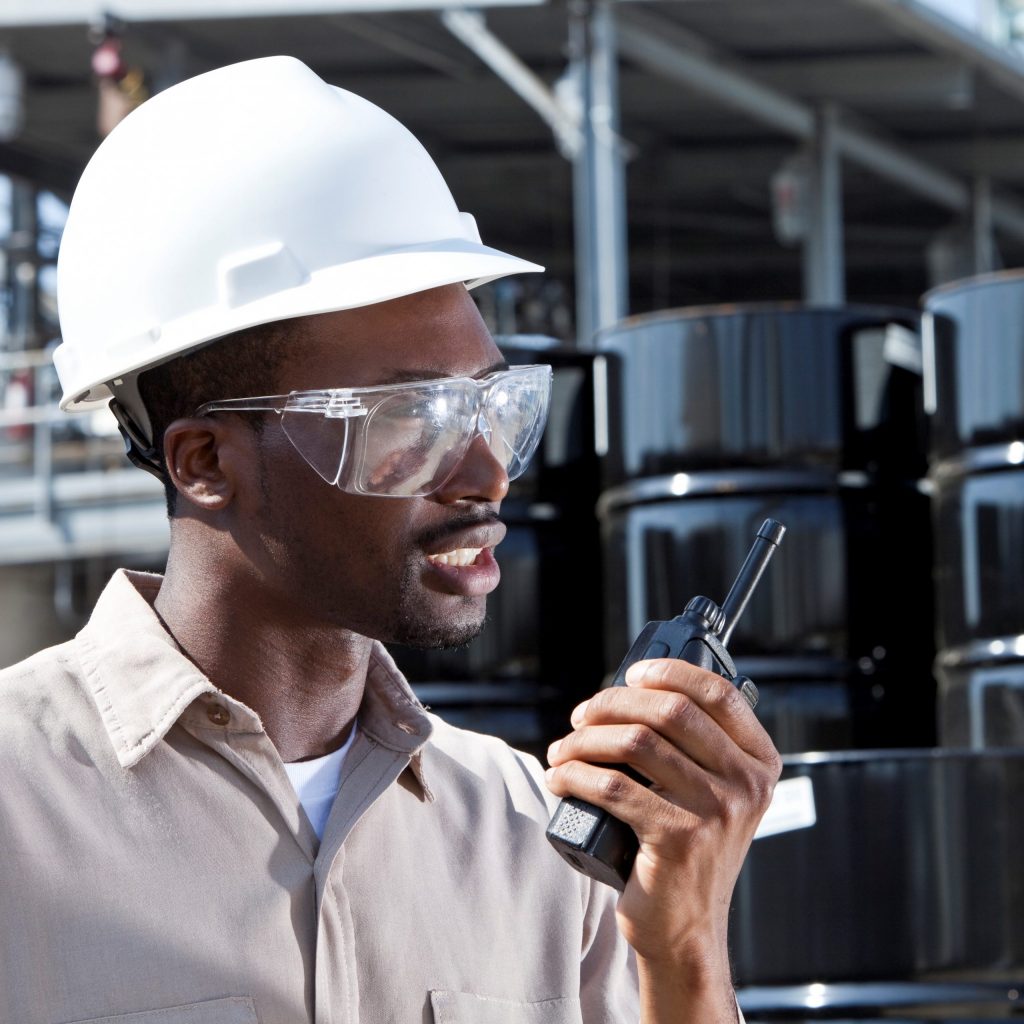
[438,635]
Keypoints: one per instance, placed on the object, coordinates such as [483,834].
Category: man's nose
[480,476]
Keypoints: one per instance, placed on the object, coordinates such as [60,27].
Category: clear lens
[408,441]
[321,440]
[515,414]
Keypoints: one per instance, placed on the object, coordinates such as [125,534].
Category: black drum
[976,342]
[904,1002]
[841,586]
[526,715]
[566,471]
[981,693]
[851,583]
[912,871]
[802,715]
[766,386]
[979,544]
[805,703]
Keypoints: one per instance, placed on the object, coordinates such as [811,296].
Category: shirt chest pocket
[466,1008]
[233,1010]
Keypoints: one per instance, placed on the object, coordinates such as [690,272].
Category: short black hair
[239,365]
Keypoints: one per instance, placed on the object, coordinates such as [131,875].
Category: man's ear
[203,460]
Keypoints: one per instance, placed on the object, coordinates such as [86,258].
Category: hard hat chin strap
[139,451]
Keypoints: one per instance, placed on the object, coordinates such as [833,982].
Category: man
[223,803]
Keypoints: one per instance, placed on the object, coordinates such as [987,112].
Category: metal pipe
[889,161]
[583,241]
[824,269]
[470,28]
[983,244]
[42,459]
[610,273]
[643,38]
[938,33]
[22,262]
[599,202]
[84,12]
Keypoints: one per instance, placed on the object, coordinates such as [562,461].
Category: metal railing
[66,490]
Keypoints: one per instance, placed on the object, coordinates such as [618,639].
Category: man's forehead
[426,336]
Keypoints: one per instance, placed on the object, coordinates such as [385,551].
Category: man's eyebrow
[409,376]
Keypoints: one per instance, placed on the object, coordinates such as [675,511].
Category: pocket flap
[232,1010]
[467,1008]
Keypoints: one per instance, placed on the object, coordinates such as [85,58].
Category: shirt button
[217,714]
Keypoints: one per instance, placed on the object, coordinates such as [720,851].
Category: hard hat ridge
[253,193]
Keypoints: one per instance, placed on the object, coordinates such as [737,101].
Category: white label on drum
[792,807]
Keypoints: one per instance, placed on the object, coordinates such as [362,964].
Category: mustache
[457,525]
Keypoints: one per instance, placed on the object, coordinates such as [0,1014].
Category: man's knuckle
[727,810]
[613,785]
[678,709]
[760,785]
[728,699]
[639,739]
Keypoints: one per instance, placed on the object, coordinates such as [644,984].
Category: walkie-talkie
[591,839]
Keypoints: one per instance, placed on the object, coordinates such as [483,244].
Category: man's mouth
[458,556]
[461,561]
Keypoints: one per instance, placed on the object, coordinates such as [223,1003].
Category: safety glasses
[406,440]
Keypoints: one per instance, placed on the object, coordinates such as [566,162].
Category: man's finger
[715,695]
[645,811]
[644,715]
[644,750]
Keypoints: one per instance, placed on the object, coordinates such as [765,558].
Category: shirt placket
[371,767]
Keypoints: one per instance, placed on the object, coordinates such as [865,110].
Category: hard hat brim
[374,279]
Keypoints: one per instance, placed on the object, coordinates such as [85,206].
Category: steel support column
[983,241]
[598,172]
[22,265]
[824,268]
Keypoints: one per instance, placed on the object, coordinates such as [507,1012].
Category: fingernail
[549,774]
[635,673]
[578,712]
[553,750]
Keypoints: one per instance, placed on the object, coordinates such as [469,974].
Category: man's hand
[713,769]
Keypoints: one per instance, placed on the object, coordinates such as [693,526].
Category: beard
[410,626]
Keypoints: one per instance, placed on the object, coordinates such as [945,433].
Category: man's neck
[305,681]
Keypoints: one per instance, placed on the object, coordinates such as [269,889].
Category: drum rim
[989,458]
[723,311]
[725,483]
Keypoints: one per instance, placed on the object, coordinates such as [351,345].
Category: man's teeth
[460,556]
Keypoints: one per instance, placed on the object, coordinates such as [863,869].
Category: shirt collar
[142,682]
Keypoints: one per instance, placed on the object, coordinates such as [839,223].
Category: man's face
[380,566]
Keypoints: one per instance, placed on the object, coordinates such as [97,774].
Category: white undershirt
[316,783]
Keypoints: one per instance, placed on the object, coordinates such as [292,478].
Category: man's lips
[461,561]
[488,535]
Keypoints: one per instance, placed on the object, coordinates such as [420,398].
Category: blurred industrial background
[779,237]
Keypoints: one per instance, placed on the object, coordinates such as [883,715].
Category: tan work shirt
[156,866]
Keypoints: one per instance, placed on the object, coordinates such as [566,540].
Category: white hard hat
[253,193]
